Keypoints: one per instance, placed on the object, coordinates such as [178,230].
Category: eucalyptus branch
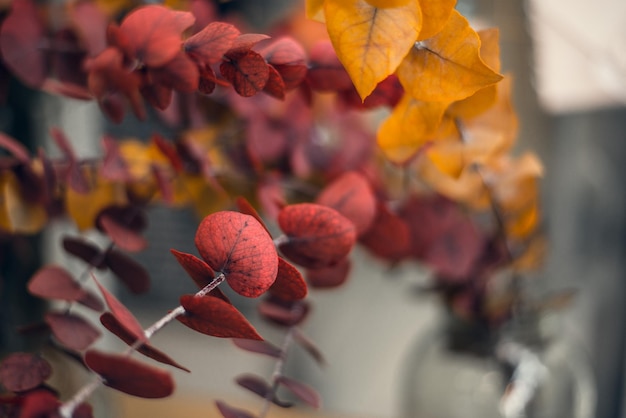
[278,371]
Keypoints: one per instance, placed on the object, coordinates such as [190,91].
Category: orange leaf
[315,10]
[371,42]
[448,66]
[384,4]
[411,125]
[435,14]
[16,213]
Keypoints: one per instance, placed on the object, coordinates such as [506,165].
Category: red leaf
[248,73]
[21,35]
[352,196]
[18,150]
[243,43]
[213,316]
[38,404]
[53,282]
[388,236]
[169,151]
[230,412]
[275,85]
[111,323]
[260,387]
[155,33]
[74,175]
[180,74]
[326,73]
[289,284]
[318,236]
[72,331]
[131,273]
[113,166]
[130,376]
[121,313]
[387,93]
[84,410]
[122,236]
[329,277]
[132,217]
[238,246]
[211,43]
[260,347]
[281,312]
[91,301]
[289,58]
[200,272]
[302,391]
[207,82]
[23,371]
[91,25]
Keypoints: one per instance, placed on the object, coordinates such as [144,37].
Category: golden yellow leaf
[522,224]
[435,14]
[16,214]
[371,42]
[447,66]
[83,208]
[384,4]
[411,125]
[490,47]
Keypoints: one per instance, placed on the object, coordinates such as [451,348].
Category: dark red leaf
[71,330]
[387,93]
[289,59]
[260,387]
[123,237]
[329,277]
[53,282]
[155,33]
[230,412]
[246,208]
[111,323]
[213,316]
[200,272]
[308,345]
[352,196]
[289,284]
[84,250]
[21,35]
[302,391]
[157,95]
[84,410]
[23,371]
[180,74]
[388,237]
[281,312]
[248,73]
[132,217]
[169,151]
[113,166]
[326,73]
[130,376]
[207,82]
[260,347]
[39,404]
[318,235]
[211,43]
[130,272]
[16,149]
[275,85]
[121,313]
[91,24]
[238,246]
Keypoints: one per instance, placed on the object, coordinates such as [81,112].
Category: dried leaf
[122,236]
[83,249]
[247,72]
[71,330]
[23,371]
[329,277]
[199,271]
[260,347]
[130,272]
[210,44]
[54,282]
[289,284]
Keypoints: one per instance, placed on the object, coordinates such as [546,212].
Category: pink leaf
[260,347]
[211,43]
[71,330]
[302,391]
[230,412]
[123,237]
[53,282]
[23,371]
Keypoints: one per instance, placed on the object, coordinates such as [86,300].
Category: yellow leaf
[371,42]
[315,10]
[411,125]
[435,14]
[446,67]
[522,224]
[16,214]
[83,208]
[490,47]
[383,4]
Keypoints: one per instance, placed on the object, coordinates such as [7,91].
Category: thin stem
[67,409]
[278,371]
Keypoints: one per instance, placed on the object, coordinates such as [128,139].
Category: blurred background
[569,63]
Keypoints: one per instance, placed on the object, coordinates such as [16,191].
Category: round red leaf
[248,73]
[388,236]
[211,43]
[328,277]
[318,235]
[130,376]
[352,196]
[53,282]
[23,371]
[238,246]
[289,284]
[213,316]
